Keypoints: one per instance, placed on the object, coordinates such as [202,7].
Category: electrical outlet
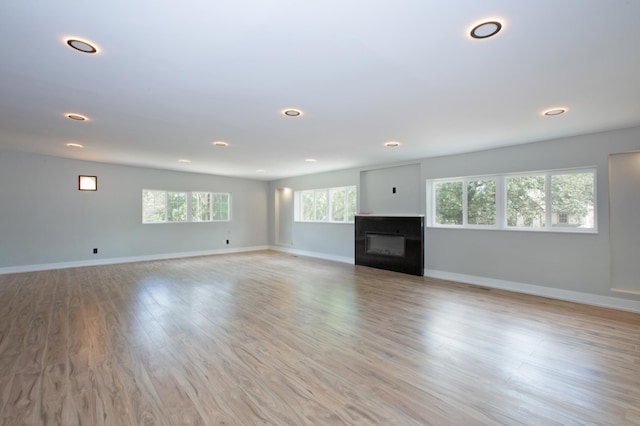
[95,251]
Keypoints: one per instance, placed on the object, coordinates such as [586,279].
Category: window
[200,206]
[561,200]
[176,206]
[321,208]
[481,202]
[449,203]
[563,217]
[308,205]
[526,201]
[154,206]
[221,207]
[465,202]
[326,205]
[573,200]
[167,206]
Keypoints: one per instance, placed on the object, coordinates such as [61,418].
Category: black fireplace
[395,243]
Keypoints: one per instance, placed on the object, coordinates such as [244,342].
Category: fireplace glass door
[387,245]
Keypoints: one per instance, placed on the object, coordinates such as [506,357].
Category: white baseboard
[324,256]
[536,290]
[115,260]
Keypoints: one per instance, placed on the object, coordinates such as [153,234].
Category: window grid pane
[338,204]
[573,200]
[481,202]
[221,207]
[322,206]
[448,198]
[154,206]
[352,202]
[201,206]
[176,206]
[308,205]
[526,204]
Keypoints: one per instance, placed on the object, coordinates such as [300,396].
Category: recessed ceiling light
[76,117]
[392,144]
[220,143]
[292,112]
[81,45]
[184,160]
[74,145]
[260,171]
[486,29]
[554,111]
[310,160]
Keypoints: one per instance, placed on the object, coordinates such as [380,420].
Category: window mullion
[315,204]
[434,200]
[346,204]
[189,198]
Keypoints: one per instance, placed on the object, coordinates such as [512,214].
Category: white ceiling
[173,76]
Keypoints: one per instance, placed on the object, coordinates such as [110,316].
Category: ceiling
[171,77]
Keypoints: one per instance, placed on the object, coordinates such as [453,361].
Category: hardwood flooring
[270,338]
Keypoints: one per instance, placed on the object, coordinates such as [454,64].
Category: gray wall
[578,262]
[377,195]
[322,238]
[575,262]
[45,219]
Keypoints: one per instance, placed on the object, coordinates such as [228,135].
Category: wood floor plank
[112,403]
[206,399]
[23,403]
[145,403]
[283,401]
[179,406]
[54,403]
[269,338]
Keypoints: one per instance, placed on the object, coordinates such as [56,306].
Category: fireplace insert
[394,243]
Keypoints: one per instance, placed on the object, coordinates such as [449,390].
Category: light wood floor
[269,338]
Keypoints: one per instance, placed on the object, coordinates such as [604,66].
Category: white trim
[501,201]
[536,290]
[620,290]
[324,256]
[298,214]
[116,260]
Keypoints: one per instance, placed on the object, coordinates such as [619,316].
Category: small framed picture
[87,183]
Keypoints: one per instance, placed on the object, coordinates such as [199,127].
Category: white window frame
[188,207]
[191,214]
[431,195]
[189,202]
[501,202]
[166,203]
[298,204]
[213,196]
